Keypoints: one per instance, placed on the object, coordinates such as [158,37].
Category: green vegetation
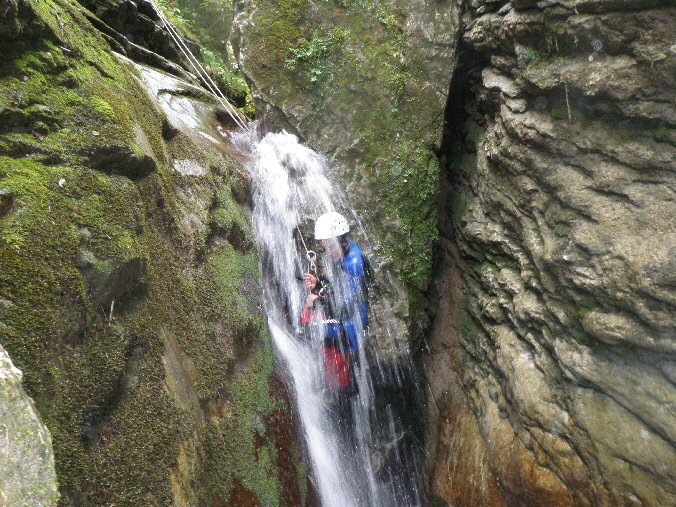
[103,108]
[311,56]
[535,57]
[210,23]
[92,213]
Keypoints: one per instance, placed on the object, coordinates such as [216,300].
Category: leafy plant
[310,55]
[534,57]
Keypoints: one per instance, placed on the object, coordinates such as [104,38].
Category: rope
[310,255]
[301,239]
[197,67]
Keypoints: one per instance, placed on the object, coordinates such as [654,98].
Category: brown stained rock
[285,428]
[239,497]
[559,329]
[462,475]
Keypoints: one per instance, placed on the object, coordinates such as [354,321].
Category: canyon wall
[129,283]
[557,271]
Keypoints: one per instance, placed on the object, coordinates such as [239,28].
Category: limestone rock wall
[27,475]
[558,259]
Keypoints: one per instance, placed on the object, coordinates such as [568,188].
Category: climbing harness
[201,72]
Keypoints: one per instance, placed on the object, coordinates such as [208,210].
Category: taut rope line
[197,67]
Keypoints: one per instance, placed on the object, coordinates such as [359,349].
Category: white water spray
[356,447]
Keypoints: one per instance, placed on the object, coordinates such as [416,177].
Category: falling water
[359,450]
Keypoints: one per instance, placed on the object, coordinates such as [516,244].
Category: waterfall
[360,453]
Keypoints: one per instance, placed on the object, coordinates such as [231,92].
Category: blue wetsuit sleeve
[356,275]
[356,300]
[351,332]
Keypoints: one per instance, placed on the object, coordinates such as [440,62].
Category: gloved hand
[310,281]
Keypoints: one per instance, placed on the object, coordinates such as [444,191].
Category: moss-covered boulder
[131,288]
[366,83]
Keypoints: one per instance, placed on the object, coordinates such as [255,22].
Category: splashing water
[361,454]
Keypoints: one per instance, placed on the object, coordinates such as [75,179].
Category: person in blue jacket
[349,273]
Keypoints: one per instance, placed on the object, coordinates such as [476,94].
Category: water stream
[360,448]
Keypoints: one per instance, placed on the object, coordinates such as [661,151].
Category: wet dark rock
[136,30]
[7,202]
[140,51]
[136,25]
[120,160]
[33,118]
[108,280]
[14,15]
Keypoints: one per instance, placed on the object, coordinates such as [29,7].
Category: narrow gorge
[506,166]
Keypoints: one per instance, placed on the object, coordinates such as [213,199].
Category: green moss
[469,328]
[310,56]
[276,30]
[562,230]
[409,184]
[535,57]
[227,80]
[240,448]
[561,112]
[78,230]
[228,220]
[103,109]
[74,97]
[302,481]
[664,134]
[282,23]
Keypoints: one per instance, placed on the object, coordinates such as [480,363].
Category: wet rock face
[364,83]
[137,22]
[559,309]
[27,475]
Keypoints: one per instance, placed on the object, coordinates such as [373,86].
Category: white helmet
[330,225]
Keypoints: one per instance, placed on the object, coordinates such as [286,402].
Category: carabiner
[312,260]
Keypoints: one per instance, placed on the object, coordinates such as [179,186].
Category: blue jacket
[354,307]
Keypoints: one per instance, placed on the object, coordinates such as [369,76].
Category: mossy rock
[128,325]
[353,78]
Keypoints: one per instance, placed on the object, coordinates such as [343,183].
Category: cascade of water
[358,448]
